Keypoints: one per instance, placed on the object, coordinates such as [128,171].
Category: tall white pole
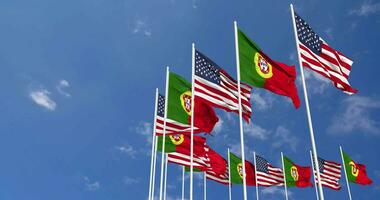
[345,173]
[315,183]
[153,147]
[192,119]
[163,139]
[257,184]
[283,171]
[313,145]
[166,175]
[154,168]
[229,176]
[240,110]
[183,182]
[204,186]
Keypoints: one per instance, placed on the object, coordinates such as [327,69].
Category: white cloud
[316,83]
[355,115]
[127,149]
[145,129]
[141,27]
[61,86]
[261,101]
[91,186]
[274,190]
[283,137]
[41,97]
[366,8]
[256,131]
[130,181]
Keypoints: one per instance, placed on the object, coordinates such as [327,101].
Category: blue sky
[78,80]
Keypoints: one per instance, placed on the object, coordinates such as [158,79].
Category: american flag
[317,55]
[330,173]
[267,175]
[217,88]
[220,178]
[199,162]
[172,127]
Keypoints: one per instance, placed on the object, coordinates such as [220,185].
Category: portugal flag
[179,106]
[355,173]
[237,171]
[181,143]
[258,70]
[295,175]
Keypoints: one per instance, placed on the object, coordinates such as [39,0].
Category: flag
[199,161]
[330,173]
[220,178]
[181,143]
[237,171]
[217,88]
[258,70]
[317,55]
[179,109]
[217,164]
[295,175]
[267,175]
[356,173]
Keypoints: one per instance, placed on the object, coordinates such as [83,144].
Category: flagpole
[164,134]
[240,110]
[154,167]
[204,186]
[257,184]
[183,182]
[192,120]
[283,171]
[313,145]
[153,146]
[315,183]
[166,175]
[345,172]
[229,176]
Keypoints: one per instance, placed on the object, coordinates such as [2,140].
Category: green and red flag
[179,106]
[355,172]
[181,143]
[259,70]
[295,175]
[236,170]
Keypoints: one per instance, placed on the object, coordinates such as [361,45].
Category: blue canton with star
[261,165]
[161,105]
[206,68]
[307,36]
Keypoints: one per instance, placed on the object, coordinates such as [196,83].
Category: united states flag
[220,178]
[317,55]
[199,162]
[217,88]
[172,127]
[267,175]
[330,173]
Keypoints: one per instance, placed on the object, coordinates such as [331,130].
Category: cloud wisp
[354,114]
[127,149]
[42,98]
[141,27]
[366,8]
[91,186]
[62,85]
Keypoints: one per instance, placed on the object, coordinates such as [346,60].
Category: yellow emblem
[186,101]
[177,139]
[354,169]
[294,173]
[262,66]
[240,169]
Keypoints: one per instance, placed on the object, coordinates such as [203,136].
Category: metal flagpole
[229,176]
[204,186]
[257,184]
[153,146]
[240,110]
[283,171]
[315,183]
[166,175]
[183,182]
[345,172]
[163,139]
[192,120]
[313,145]
[154,166]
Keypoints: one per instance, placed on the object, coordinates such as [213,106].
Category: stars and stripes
[267,175]
[317,55]
[330,173]
[220,178]
[172,127]
[217,88]
[199,162]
